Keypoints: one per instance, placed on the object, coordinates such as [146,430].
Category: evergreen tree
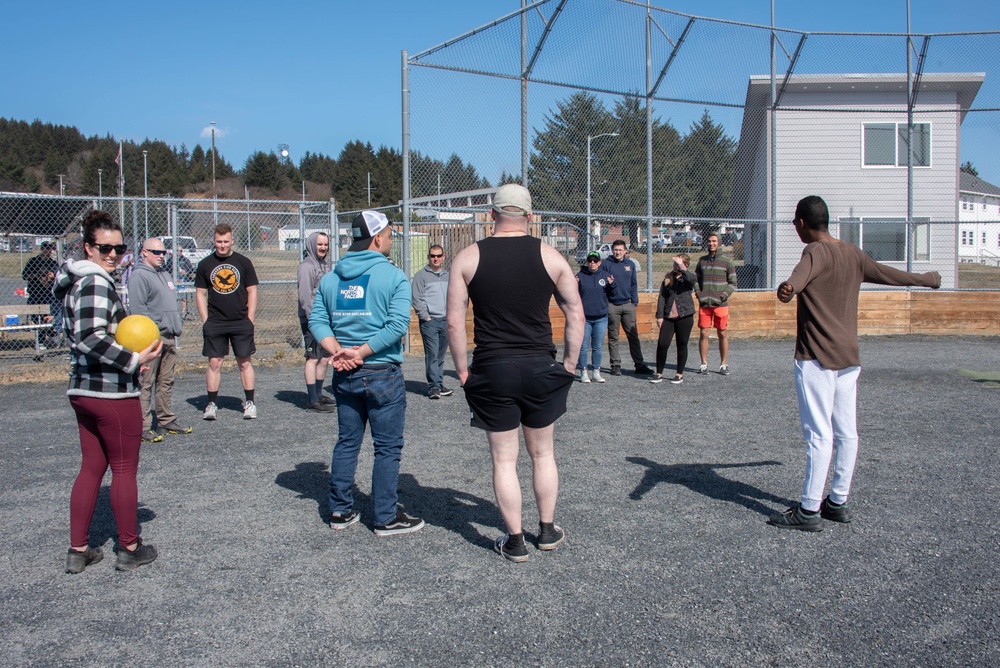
[968,168]
[710,156]
[263,170]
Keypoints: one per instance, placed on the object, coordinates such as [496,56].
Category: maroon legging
[110,434]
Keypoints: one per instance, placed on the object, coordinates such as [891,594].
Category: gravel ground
[664,495]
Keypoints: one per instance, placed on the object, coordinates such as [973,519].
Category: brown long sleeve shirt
[827,280]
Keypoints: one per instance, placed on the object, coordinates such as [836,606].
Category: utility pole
[213,154]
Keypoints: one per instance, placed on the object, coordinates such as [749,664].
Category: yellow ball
[136,332]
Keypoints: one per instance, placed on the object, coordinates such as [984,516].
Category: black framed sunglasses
[155,252]
[121,249]
[435,255]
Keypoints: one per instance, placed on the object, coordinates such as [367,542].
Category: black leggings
[681,327]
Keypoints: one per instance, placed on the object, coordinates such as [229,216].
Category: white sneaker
[249,410]
[596,375]
[210,410]
[703,370]
[724,369]
[584,378]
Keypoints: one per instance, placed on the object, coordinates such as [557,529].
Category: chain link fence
[627,120]
[270,234]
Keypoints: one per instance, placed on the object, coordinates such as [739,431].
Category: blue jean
[434,333]
[594,330]
[373,394]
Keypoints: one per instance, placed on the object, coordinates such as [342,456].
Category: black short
[218,335]
[314,351]
[505,392]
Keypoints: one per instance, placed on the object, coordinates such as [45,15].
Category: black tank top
[510,296]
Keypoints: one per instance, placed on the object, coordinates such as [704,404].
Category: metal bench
[17,318]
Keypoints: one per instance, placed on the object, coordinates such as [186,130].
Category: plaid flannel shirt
[100,367]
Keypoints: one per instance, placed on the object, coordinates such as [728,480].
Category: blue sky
[311,74]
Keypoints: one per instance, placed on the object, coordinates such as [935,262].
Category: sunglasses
[435,255]
[155,252]
[593,260]
[121,249]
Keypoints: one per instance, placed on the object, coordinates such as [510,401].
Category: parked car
[686,239]
[603,249]
[188,247]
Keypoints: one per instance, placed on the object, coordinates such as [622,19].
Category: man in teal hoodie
[359,316]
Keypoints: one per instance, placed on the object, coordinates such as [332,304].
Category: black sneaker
[511,548]
[445,392]
[142,554]
[76,561]
[338,522]
[829,510]
[550,537]
[434,393]
[794,518]
[320,407]
[616,370]
[403,523]
[328,401]
[677,380]
[643,370]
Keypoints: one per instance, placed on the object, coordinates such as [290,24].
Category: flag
[118,158]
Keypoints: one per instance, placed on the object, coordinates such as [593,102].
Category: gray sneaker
[249,410]
[142,554]
[211,410]
[76,561]
[828,510]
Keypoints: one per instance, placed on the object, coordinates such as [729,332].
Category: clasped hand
[347,359]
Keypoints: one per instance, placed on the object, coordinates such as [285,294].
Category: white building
[979,221]
[843,137]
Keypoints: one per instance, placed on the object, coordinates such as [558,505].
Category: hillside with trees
[692,173]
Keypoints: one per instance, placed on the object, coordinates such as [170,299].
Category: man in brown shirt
[827,362]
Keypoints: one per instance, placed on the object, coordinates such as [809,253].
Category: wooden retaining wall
[760,314]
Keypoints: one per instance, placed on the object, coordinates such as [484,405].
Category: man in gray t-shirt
[430,301]
[152,293]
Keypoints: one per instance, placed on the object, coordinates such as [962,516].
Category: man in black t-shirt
[226,291]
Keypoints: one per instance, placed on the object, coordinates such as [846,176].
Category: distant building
[843,137]
[979,221]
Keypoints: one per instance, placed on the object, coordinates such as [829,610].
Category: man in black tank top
[515,381]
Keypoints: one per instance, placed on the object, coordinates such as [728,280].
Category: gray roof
[967,183]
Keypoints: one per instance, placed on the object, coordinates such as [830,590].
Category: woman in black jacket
[675,317]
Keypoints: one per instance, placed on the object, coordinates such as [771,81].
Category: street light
[62,190]
[213,154]
[145,190]
[589,139]
[100,189]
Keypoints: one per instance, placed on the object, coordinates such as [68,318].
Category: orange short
[713,316]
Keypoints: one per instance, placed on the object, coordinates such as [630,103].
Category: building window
[884,239]
[885,145]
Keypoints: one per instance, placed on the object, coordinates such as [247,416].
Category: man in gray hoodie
[430,301]
[152,293]
[311,271]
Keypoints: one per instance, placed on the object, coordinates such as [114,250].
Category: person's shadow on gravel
[311,480]
[102,525]
[293,397]
[703,479]
[450,509]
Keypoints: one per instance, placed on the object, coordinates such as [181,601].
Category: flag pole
[121,186]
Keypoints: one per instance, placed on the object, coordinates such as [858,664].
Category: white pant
[828,410]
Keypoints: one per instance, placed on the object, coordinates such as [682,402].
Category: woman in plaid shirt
[104,393]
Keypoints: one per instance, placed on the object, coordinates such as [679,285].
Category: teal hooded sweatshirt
[365,299]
